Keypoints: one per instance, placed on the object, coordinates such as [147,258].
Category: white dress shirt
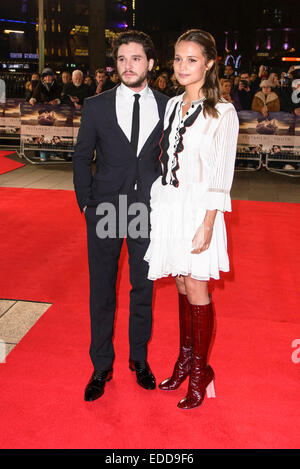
[149,115]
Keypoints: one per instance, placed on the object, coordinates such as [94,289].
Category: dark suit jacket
[80,92]
[43,95]
[118,169]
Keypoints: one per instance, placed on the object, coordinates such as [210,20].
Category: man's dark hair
[101,70]
[134,36]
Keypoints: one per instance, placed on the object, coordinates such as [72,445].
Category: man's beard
[134,84]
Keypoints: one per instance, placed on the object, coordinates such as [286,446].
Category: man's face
[77,79]
[101,77]
[48,78]
[115,77]
[245,76]
[133,65]
[66,78]
[228,70]
[35,77]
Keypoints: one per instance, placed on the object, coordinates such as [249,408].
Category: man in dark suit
[124,126]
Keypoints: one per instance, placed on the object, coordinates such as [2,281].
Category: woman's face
[226,88]
[190,65]
[266,89]
[161,82]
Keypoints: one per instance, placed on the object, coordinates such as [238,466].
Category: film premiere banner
[47,127]
[279,133]
[10,119]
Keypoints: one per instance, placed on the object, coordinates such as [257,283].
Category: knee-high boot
[183,363]
[201,374]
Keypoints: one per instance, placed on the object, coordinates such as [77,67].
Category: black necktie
[135,123]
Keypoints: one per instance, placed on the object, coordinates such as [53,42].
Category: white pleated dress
[198,167]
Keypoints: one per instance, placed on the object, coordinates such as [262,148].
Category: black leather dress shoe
[144,374]
[95,387]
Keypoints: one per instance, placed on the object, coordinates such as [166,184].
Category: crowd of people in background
[67,88]
[265,91]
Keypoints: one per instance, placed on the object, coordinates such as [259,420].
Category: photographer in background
[282,87]
[103,82]
[263,73]
[244,91]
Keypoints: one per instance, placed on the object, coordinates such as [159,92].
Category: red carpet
[43,258]
[6,164]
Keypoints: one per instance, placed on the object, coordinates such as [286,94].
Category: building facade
[66,28]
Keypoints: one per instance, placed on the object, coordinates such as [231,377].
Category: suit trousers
[103,256]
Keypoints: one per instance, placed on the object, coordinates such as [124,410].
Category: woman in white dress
[188,234]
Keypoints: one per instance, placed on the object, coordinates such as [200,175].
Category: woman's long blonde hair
[211,87]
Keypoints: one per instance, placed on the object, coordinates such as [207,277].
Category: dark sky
[175,14]
[179,14]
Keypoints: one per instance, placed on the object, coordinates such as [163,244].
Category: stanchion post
[41,36]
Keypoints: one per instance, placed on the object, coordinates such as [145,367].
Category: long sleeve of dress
[222,162]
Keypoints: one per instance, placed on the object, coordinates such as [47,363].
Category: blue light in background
[122,25]
[14,21]
[17,21]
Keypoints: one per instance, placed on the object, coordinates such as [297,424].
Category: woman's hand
[203,235]
[202,239]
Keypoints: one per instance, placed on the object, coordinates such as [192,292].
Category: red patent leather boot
[183,363]
[201,374]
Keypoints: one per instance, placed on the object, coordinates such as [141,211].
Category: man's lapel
[161,111]
[112,117]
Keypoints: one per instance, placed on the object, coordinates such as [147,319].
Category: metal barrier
[258,148]
[284,160]
[272,143]
[53,157]
[246,161]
